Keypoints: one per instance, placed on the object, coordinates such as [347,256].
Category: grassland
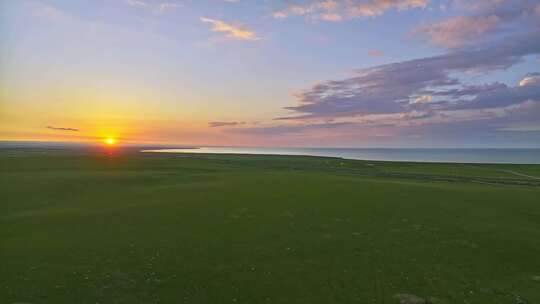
[86,227]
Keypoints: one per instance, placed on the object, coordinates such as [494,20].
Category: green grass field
[154,228]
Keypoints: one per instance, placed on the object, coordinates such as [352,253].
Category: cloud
[218,124]
[530,79]
[62,129]
[233,31]
[339,10]
[484,20]
[376,53]
[52,12]
[444,126]
[521,128]
[421,97]
[157,7]
[378,7]
[457,31]
[168,6]
[49,12]
[138,3]
[503,96]
[477,5]
[288,129]
[389,88]
[332,17]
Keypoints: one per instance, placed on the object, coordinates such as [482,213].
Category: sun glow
[110,141]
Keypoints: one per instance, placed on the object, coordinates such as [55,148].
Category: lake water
[504,156]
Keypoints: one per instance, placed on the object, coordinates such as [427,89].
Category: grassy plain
[86,227]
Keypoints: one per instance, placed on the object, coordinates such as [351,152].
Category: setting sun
[110,141]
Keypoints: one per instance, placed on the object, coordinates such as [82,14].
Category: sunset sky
[323,73]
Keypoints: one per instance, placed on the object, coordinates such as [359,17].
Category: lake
[504,156]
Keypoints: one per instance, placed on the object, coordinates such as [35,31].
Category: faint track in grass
[447,178]
[363,169]
[519,174]
[531,182]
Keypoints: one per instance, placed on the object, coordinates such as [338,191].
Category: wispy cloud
[157,7]
[138,3]
[478,5]
[62,129]
[233,31]
[376,53]
[489,19]
[49,12]
[339,10]
[289,129]
[218,124]
[458,31]
[168,6]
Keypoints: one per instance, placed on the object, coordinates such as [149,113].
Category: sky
[296,73]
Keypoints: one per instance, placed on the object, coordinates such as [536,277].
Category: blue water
[502,156]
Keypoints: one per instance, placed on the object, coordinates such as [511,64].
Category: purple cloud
[288,129]
[390,88]
[490,19]
[423,98]
[218,124]
[62,129]
[340,10]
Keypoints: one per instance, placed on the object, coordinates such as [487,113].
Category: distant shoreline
[424,155]
[519,156]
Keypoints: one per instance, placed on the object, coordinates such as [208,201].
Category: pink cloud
[457,31]
[233,31]
[339,10]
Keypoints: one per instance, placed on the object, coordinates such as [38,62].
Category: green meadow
[86,227]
